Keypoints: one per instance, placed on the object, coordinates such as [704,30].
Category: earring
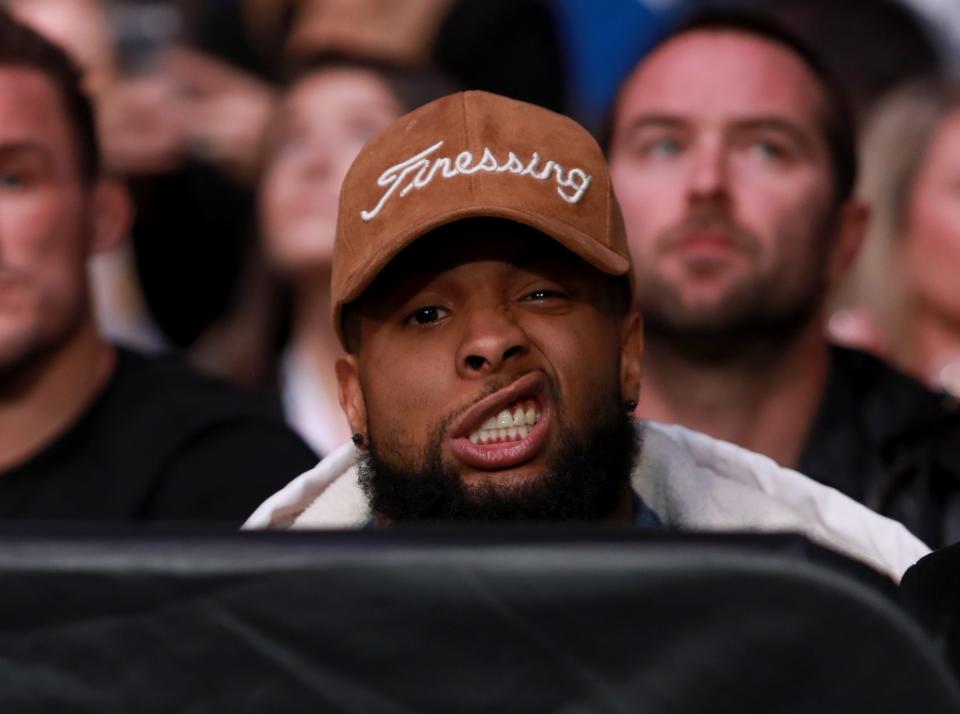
[630,405]
[357,439]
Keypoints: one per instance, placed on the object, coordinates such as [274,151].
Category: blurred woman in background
[320,125]
[903,296]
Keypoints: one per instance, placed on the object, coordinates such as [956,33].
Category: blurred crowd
[199,104]
[228,126]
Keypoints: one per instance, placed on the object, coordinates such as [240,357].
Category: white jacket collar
[692,481]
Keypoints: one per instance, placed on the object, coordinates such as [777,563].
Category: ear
[351,395]
[631,355]
[851,229]
[112,215]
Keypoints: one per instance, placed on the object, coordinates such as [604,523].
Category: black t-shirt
[159,443]
[887,441]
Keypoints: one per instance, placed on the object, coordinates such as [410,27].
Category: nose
[708,174]
[317,160]
[491,339]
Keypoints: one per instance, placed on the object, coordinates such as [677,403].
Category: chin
[507,479]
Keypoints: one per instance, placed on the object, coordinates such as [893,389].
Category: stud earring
[357,439]
[630,405]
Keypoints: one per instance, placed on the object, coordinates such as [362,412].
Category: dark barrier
[932,590]
[451,621]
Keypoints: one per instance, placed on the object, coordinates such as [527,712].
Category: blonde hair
[894,145]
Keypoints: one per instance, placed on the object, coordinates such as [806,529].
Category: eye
[426,315]
[544,294]
[663,147]
[12,179]
[765,149]
[365,128]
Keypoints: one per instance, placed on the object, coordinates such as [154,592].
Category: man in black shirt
[734,161]
[87,431]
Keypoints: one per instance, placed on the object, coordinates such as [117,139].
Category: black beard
[757,330]
[585,481]
[752,320]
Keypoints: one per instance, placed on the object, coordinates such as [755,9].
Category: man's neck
[43,399]
[762,397]
[624,513]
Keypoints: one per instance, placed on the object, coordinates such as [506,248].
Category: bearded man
[733,158]
[483,291]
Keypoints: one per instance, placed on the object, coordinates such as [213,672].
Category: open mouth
[507,428]
[511,424]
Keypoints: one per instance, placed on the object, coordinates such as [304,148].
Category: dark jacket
[888,441]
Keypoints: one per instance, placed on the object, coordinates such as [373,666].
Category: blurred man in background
[732,154]
[88,430]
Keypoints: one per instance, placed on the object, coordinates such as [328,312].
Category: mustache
[493,385]
[709,221]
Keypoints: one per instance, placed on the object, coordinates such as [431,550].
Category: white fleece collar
[692,481]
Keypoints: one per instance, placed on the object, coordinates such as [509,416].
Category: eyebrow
[16,149]
[779,125]
[665,121]
[753,123]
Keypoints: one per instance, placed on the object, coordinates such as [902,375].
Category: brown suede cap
[469,155]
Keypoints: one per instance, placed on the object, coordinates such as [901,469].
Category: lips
[708,238]
[708,242]
[507,445]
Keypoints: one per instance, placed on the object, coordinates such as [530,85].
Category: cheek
[273,202]
[342,159]
[45,254]
[788,217]
[651,202]
[768,204]
[932,250]
[297,235]
[43,240]
[583,358]
[407,392]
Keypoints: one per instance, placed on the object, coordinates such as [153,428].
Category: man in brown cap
[545,349]
[483,291]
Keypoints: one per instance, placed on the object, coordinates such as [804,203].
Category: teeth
[508,425]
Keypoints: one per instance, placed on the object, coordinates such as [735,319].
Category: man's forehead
[350,84]
[722,74]
[28,100]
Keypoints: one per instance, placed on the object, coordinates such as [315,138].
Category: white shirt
[311,410]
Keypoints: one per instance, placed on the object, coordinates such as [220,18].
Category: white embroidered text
[418,172]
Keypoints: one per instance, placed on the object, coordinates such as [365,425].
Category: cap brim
[573,239]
